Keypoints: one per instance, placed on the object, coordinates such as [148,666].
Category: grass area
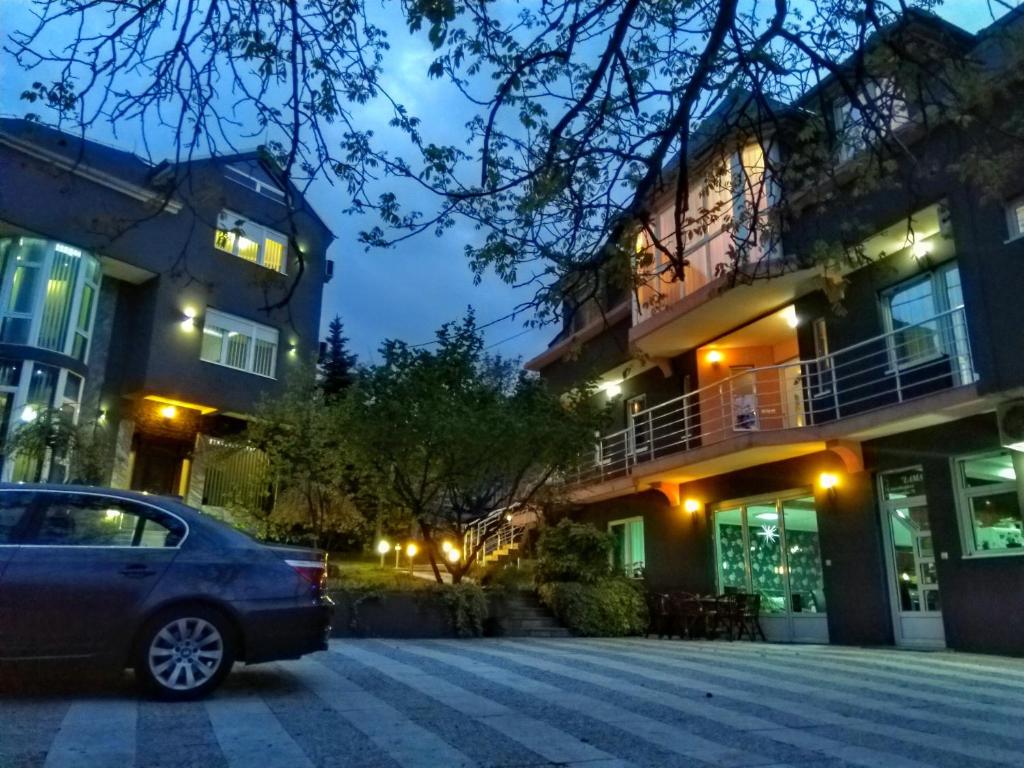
[369,575]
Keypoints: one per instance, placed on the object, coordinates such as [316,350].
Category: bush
[573,552]
[508,578]
[368,576]
[468,607]
[609,607]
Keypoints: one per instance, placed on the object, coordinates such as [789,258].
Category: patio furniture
[685,614]
[659,609]
[748,610]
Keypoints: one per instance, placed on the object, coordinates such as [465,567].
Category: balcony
[800,404]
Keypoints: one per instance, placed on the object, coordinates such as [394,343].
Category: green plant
[610,607]
[468,607]
[573,552]
[509,578]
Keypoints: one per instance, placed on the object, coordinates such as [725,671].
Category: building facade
[857,463]
[154,304]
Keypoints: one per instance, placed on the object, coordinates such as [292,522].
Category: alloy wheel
[185,653]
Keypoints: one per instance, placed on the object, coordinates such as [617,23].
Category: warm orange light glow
[168,411]
[828,480]
[691,506]
[203,409]
[714,357]
[411,550]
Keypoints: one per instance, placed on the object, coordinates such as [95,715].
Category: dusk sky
[409,291]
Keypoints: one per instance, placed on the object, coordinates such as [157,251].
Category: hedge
[610,607]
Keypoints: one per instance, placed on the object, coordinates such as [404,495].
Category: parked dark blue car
[133,580]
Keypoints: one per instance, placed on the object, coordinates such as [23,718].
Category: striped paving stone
[951,749]
[527,704]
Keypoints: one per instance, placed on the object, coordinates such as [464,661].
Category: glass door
[910,559]
[770,547]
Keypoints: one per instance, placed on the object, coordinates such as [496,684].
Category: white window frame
[270,191]
[940,302]
[965,519]
[258,233]
[255,331]
[626,522]
[1013,219]
[851,134]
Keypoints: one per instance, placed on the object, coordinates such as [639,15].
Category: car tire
[184,653]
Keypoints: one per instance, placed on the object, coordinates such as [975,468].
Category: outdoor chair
[658,607]
[748,612]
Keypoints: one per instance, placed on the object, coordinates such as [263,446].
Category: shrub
[468,607]
[609,607]
[508,578]
[573,552]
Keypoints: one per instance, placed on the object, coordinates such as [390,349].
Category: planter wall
[390,614]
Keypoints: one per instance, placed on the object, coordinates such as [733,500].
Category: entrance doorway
[910,560]
[161,465]
[769,546]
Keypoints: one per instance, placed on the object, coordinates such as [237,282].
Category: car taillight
[313,571]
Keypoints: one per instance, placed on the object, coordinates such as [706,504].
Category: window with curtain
[239,343]
[251,241]
[628,555]
[911,313]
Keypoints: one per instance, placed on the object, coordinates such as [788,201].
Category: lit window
[990,503]
[250,241]
[628,546]
[238,343]
[1015,218]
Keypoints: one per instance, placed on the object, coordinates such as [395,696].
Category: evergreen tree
[338,364]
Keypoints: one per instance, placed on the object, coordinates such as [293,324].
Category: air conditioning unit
[328,270]
[1011,425]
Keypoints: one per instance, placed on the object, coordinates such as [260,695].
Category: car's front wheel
[184,653]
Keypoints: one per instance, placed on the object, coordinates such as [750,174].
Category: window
[251,241]
[14,515]
[886,108]
[239,343]
[990,503]
[252,176]
[911,314]
[628,548]
[1015,218]
[95,521]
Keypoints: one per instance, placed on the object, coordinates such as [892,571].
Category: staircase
[522,615]
[500,534]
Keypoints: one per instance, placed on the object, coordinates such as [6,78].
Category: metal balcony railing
[499,530]
[912,361]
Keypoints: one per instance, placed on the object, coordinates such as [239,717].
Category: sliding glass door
[769,546]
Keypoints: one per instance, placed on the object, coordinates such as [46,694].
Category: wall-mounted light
[792,320]
[29,413]
[101,417]
[921,248]
[714,357]
[828,481]
[613,390]
[168,411]
[692,506]
[189,323]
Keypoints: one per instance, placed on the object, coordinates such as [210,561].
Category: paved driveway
[582,703]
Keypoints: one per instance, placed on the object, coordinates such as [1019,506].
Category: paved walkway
[579,703]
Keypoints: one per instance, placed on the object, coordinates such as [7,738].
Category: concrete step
[547,632]
[542,623]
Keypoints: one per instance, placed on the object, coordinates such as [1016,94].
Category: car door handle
[137,571]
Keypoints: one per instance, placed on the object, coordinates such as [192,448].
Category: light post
[383,547]
[398,553]
[410,552]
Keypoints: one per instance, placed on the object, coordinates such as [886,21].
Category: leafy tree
[338,364]
[586,110]
[77,453]
[299,432]
[451,434]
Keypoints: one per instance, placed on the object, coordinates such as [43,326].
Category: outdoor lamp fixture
[921,248]
[169,412]
[398,554]
[189,323]
[692,506]
[446,546]
[383,547]
[714,357]
[29,413]
[454,555]
[613,391]
[828,482]
[410,552]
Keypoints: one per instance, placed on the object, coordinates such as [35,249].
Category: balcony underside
[753,448]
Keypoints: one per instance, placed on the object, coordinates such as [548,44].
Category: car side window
[97,521]
[14,515]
